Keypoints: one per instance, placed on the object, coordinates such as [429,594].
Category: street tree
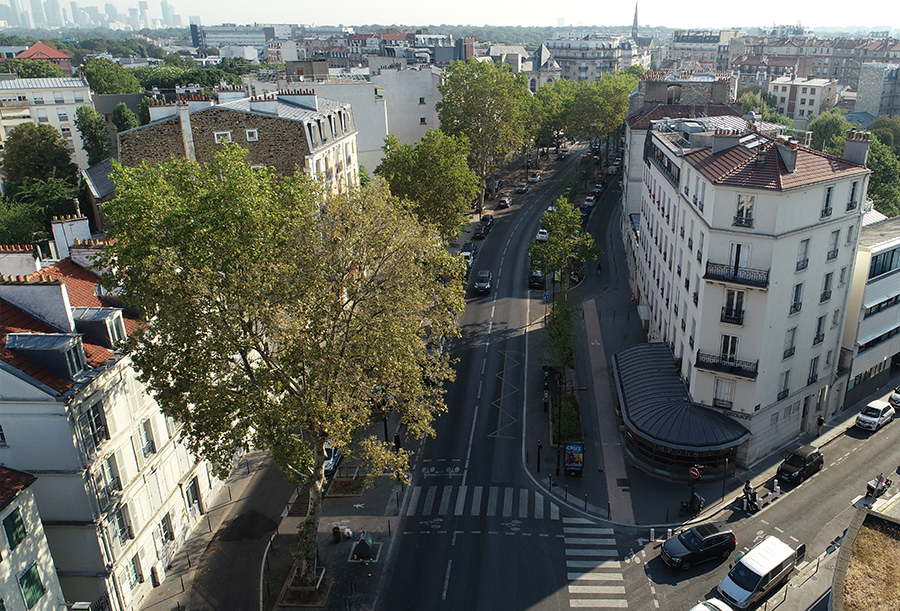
[277,317]
[105,76]
[887,129]
[484,102]
[20,222]
[884,183]
[552,104]
[94,137]
[568,246]
[599,108]
[38,151]
[32,68]
[433,176]
[123,118]
[828,130]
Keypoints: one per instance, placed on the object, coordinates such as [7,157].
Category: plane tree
[276,317]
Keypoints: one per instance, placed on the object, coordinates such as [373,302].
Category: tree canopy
[884,183]
[433,176]
[94,137]
[599,107]
[567,247]
[277,317]
[887,129]
[32,68]
[36,150]
[828,130]
[123,118]
[105,76]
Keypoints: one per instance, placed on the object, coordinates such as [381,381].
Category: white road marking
[554,511]
[596,589]
[608,603]
[507,502]
[460,501]
[595,577]
[445,500]
[523,502]
[599,553]
[588,531]
[778,529]
[538,505]
[476,501]
[578,521]
[492,501]
[429,500]
[446,580]
[413,501]
[478,396]
[589,541]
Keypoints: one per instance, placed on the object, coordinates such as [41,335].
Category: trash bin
[336,534]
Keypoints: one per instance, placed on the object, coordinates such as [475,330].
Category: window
[803,255]
[75,359]
[222,137]
[421,100]
[820,330]
[42,115]
[842,279]
[789,338]
[851,235]
[133,572]
[38,99]
[92,424]
[724,393]
[66,131]
[79,97]
[733,311]
[744,215]
[813,370]
[835,318]
[58,97]
[826,287]
[116,329]
[145,431]
[107,481]
[802,101]
[784,384]
[14,525]
[828,358]
[123,523]
[163,531]
[252,135]
[797,300]
[729,347]
[2,437]
[851,203]
[826,206]
[422,121]
[32,587]
[833,244]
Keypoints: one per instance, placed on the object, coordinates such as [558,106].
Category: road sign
[695,472]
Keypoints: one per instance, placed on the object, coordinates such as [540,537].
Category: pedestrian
[820,422]
[599,266]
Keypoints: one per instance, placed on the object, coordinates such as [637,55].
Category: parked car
[697,544]
[800,464]
[487,220]
[332,459]
[504,202]
[613,169]
[483,281]
[875,415]
[713,604]
[480,232]
[542,235]
[894,399]
[535,177]
[589,200]
[536,279]
[522,188]
[470,247]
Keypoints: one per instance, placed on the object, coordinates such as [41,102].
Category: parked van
[760,571]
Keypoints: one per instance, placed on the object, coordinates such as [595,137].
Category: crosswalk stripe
[476,500]
[445,500]
[429,500]
[596,589]
[593,552]
[581,564]
[492,501]
[460,501]
[598,566]
[589,541]
[413,501]
[523,502]
[588,531]
[554,511]
[507,502]
[599,603]
[577,521]
[595,576]
[538,505]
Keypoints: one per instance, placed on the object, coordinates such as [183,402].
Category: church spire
[634,26]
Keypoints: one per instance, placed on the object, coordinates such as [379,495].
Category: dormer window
[75,359]
[116,329]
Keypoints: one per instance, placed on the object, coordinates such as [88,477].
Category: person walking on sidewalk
[820,422]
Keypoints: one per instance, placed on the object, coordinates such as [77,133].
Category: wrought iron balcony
[675,309]
[681,232]
[851,205]
[826,295]
[826,212]
[818,339]
[678,270]
[686,190]
[683,324]
[699,255]
[687,284]
[802,264]
[690,243]
[691,342]
[795,307]
[737,275]
[812,379]
[742,221]
[732,316]
[723,403]
[789,352]
[696,297]
[784,393]
[832,254]
[716,362]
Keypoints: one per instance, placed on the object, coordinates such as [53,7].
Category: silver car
[875,415]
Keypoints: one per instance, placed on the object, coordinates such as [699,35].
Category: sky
[692,14]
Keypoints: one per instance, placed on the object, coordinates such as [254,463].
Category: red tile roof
[642,120]
[14,320]
[12,482]
[738,167]
[40,50]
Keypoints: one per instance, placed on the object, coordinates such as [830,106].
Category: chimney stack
[724,139]
[187,134]
[787,150]
[856,146]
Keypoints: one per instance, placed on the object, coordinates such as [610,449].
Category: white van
[764,568]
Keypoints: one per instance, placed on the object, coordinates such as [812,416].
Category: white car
[894,399]
[589,200]
[713,604]
[332,459]
[535,177]
[542,235]
[875,415]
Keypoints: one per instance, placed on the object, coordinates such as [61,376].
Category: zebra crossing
[489,501]
[594,573]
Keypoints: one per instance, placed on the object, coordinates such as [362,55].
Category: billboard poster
[574,457]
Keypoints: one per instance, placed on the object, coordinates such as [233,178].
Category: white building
[53,101]
[587,58]
[803,99]
[411,96]
[229,34]
[872,334]
[746,245]
[117,492]
[28,578]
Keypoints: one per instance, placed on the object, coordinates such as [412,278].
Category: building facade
[803,99]
[586,58]
[745,249]
[879,89]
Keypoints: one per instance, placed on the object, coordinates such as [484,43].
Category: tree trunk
[307,548]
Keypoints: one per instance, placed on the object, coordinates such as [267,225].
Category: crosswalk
[489,501]
[594,573]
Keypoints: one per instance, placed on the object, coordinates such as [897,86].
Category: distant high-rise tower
[634,26]
[54,14]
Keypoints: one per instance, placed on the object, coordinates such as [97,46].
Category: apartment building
[287,130]
[871,344]
[586,58]
[879,89]
[745,248]
[118,492]
[230,34]
[49,100]
[803,99]
[28,578]
[705,48]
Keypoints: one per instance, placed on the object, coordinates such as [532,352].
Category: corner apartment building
[746,245]
[879,89]
[803,99]
[871,345]
[28,578]
[49,100]
[586,58]
[117,491]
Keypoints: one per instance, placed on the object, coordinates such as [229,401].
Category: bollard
[769,498]
[567,493]
[398,499]
[777,488]
[653,534]
[668,533]
[389,528]
[585,502]
[229,493]
[608,511]
[208,523]
[745,503]
[182,583]
[550,477]
[188,554]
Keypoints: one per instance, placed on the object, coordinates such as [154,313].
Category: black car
[483,282]
[800,464]
[487,220]
[702,542]
[480,232]
[536,280]
[469,247]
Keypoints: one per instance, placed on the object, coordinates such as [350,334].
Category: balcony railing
[686,190]
[683,325]
[681,232]
[802,264]
[675,309]
[732,316]
[723,403]
[738,275]
[789,352]
[691,342]
[818,339]
[826,295]
[795,307]
[742,221]
[699,255]
[826,212]
[687,284]
[690,243]
[716,362]
[832,254]
[812,379]
[696,297]
[851,205]
[784,393]
[678,271]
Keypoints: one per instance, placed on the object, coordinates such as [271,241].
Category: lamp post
[539,456]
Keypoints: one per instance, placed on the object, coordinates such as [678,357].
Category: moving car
[504,202]
[697,544]
[761,570]
[522,187]
[535,177]
[536,279]
[542,235]
[875,415]
[800,464]
[483,281]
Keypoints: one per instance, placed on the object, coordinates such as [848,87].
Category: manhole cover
[623,482]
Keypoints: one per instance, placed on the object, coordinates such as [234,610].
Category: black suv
[536,280]
[702,542]
[800,464]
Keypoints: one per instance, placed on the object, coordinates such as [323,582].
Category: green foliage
[105,76]
[32,68]
[178,60]
[51,197]
[144,110]
[887,129]
[569,415]
[552,104]
[486,103]
[754,97]
[236,65]
[433,176]
[635,70]
[599,107]
[20,222]
[884,183]
[123,118]
[364,177]
[36,151]
[278,317]
[94,137]
[828,131]
[561,335]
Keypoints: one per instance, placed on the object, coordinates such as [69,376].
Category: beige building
[803,99]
